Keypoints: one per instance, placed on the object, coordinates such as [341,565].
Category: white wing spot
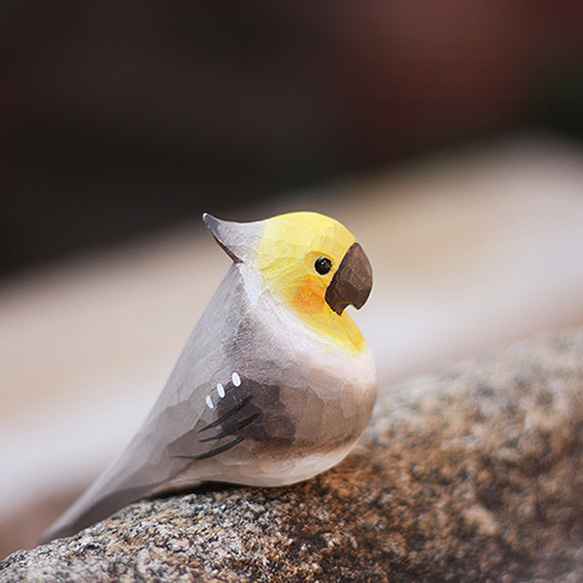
[220,390]
[209,402]
[236,379]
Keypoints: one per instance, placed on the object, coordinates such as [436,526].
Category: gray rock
[474,474]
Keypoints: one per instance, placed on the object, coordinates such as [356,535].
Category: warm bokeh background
[118,117]
[446,135]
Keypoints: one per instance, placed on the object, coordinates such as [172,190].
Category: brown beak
[352,281]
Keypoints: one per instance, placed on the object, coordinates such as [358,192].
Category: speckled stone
[473,474]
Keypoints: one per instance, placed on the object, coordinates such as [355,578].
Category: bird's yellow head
[310,263]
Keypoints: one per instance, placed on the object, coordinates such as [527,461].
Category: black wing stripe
[233,429]
[215,451]
[233,411]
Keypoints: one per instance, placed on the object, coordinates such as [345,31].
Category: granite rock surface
[471,474]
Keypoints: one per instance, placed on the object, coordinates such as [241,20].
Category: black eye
[323,265]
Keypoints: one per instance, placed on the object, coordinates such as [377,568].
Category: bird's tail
[82,514]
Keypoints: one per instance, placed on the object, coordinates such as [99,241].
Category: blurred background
[117,118]
[445,135]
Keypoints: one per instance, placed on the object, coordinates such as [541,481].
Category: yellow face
[293,255]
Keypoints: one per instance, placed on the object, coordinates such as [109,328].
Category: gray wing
[198,415]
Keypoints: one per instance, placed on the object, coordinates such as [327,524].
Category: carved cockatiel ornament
[275,383]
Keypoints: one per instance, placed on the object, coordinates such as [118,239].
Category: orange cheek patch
[310,297]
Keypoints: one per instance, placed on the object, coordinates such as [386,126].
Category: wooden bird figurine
[276,382]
